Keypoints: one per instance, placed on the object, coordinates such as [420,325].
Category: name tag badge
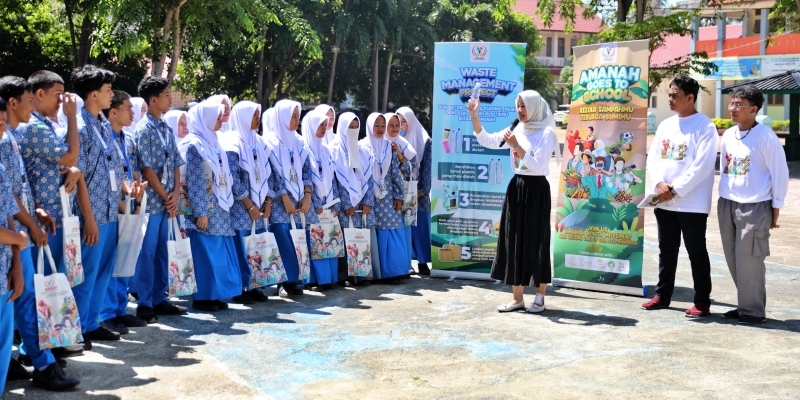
[113,176]
[164,176]
[24,201]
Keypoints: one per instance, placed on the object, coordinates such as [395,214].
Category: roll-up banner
[469,180]
[598,243]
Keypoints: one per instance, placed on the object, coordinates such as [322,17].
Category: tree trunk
[374,97]
[179,36]
[288,91]
[623,7]
[85,44]
[640,8]
[162,38]
[333,74]
[389,59]
[68,8]
[259,91]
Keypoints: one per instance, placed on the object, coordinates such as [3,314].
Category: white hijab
[268,123]
[173,118]
[416,135]
[138,104]
[217,99]
[405,147]
[287,150]
[202,119]
[252,150]
[381,149]
[330,137]
[322,166]
[354,178]
[539,117]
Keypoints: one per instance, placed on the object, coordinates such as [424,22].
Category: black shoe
[147,314]
[87,344]
[423,269]
[101,334]
[732,314]
[244,298]
[68,351]
[257,296]
[327,286]
[131,321]
[114,325]
[395,281]
[362,283]
[17,338]
[748,320]
[406,276]
[167,308]
[54,378]
[220,304]
[297,291]
[412,272]
[18,372]
[26,361]
[205,305]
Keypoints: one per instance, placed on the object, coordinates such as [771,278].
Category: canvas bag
[263,259]
[445,254]
[409,210]
[301,246]
[180,264]
[56,310]
[73,263]
[359,250]
[131,229]
[328,232]
[455,248]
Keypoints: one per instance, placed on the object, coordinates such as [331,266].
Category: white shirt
[538,149]
[754,168]
[683,154]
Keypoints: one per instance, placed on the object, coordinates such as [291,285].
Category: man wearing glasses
[681,164]
[754,179]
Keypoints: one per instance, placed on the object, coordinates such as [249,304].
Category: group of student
[213,171]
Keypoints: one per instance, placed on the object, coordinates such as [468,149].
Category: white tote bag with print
[180,264]
[131,229]
[359,249]
[56,310]
[263,258]
[73,263]
[301,246]
[409,209]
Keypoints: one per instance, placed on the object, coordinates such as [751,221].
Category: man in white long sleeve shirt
[754,179]
[681,163]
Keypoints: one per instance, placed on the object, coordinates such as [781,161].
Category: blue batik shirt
[156,148]
[8,207]
[11,158]
[202,199]
[100,158]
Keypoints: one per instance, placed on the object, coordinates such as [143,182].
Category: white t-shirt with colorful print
[753,166]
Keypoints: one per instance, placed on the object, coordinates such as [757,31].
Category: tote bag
[264,259]
[359,249]
[73,264]
[182,280]
[327,238]
[56,310]
[301,247]
[409,209]
[131,229]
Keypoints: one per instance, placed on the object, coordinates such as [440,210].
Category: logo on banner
[608,53]
[479,52]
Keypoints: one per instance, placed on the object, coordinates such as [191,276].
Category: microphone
[514,124]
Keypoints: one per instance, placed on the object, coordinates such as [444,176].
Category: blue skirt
[286,249]
[393,254]
[409,247]
[215,266]
[421,237]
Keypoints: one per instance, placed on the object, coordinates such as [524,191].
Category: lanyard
[23,175]
[124,161]
[380,163]
[164,142]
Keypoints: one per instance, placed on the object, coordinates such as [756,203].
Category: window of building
[549,47]
[572,43]
[653,101]
[561,45]
[775,99]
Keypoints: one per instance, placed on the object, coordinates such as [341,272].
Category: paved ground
[430,338]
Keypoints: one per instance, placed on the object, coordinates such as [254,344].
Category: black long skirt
[523,245]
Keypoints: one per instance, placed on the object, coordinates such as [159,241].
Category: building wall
[555,61]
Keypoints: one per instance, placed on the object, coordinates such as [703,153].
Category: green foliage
[725,123]
[780,125]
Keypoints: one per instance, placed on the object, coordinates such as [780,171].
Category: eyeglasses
[737,106]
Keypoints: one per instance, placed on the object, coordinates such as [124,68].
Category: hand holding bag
[182,280]
[131,229]
[301,246]
[359,250]
[56,310]
[73,263]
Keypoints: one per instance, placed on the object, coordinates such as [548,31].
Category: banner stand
[477,276]
[601,287]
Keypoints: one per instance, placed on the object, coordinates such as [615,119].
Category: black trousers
[671,224]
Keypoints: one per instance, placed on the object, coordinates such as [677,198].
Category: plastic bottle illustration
[446,140]
[499,167]
[475,96]
[459,141]
[492,172]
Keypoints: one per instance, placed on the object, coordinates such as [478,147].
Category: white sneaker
[511,307]
[282,292]
[538,304]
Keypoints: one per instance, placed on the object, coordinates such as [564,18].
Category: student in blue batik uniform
[289,157]
[253,186]
[51,160]
[102,175]
[354,177]
[405,155]
[419,139]
[11,243]
[388,189]
[159,162]
[20,106]
[114,315]
[208,182]
[315,125]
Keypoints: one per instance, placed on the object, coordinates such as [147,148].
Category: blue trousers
[98,264]
[25,315]
[116,302]
[241,256]
[6,336]
[421,237]
[151,279]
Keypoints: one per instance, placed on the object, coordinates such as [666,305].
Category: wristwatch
[516,147]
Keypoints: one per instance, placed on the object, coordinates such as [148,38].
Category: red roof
[676,46]
[593,25]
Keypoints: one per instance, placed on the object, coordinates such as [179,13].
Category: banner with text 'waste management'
[469,180]
[598,241]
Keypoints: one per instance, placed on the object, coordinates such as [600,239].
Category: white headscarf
[329,135]
[217,99]
[381,149]
[138,104]
[172,118]
[350,176]
[287,150]
[202,119]
[539,117]
[405,147]
[62,124]
[252,150]
[416,135]
[322,166]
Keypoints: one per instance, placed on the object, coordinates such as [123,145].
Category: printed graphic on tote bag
[57,319]
[304,262]
[359,251]
[326,243]
[181,276]
[263,259]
